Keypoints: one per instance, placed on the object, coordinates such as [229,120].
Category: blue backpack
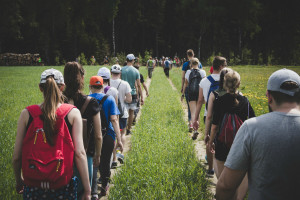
[167,64]
[213,86]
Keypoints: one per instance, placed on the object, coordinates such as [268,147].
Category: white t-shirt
[188,72]
[112,92]
[205,85]
[124,89]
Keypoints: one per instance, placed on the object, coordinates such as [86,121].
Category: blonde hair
[194,61]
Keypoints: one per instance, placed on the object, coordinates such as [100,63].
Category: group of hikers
[89,130]
[259,153]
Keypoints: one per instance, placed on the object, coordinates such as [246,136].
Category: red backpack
[43,165]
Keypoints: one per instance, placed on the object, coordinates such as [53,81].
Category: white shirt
[123,89]
[205,85]
[188,72]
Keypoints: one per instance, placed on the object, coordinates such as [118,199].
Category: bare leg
[130,119]
[219,166]
[209,158]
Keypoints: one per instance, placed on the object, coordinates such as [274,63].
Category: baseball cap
[281,76]
[130,57]
[104,73]
[57,75]
[96,80]
[116,69]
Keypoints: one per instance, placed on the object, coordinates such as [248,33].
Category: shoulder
[204,82]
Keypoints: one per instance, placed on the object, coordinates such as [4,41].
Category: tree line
[245,32]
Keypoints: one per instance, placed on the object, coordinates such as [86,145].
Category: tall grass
[162,163]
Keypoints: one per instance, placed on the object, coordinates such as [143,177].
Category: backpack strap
[64,109]
[211,79]
[102,100]
[83,108]
[119,84]
[34,110]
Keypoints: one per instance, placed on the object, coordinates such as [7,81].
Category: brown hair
[218,61]
[224,71]
[231,83]
[281,98]
[73,75]
[52,97]
[190,53]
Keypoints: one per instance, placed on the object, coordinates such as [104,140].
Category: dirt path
[127,145]
[199,145]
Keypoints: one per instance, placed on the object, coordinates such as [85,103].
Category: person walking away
[267,147]
[124,90]
[167,65]
[110,131]
[207,85]
[105,74]
[193,77]
[132,76]
[186,66]
[74,78]
[150,66]
[43,128]
[229,112]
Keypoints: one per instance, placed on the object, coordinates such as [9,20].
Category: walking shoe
[210,172]
[104,191]
[114,165]
[94,197]
[190,127]
[195,135]
[128,132]
[120,157]
[99,181]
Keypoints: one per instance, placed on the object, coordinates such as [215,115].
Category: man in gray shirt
[268,147]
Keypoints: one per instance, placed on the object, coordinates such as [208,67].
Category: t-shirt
[268,148]
[91,110]
[110,108]
[150,63]
[167,64]
[130,74]
[112,92]
[205,85]
[186,67]
[124,89]
[188,72]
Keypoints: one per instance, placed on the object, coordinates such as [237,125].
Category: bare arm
[98,138]
[128,97]
[115,123]
[209,116]
[17,155]
[184,87]
[140,90]
[213,132]
[198,108]
[182,80]
[146,89]
[228,183]
[80,157]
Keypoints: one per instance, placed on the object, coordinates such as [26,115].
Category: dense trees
[246,32]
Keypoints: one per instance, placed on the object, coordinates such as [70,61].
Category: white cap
[57,75]
[104,73]
[116,69]
[130,57]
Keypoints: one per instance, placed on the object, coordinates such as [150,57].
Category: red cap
[96,80]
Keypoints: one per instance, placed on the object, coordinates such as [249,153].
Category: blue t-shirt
[110,108]
[185,66]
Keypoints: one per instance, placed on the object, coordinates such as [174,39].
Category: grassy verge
[162,163]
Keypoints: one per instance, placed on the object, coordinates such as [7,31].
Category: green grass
[162,163]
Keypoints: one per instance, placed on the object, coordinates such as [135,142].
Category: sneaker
[104,191]
[99,181]
[195,135]
[114,165]
[94,197]
[120,158]
[190,127]
[128,132]
[210,172]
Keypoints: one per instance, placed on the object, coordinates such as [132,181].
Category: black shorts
[193,96]
[221,151]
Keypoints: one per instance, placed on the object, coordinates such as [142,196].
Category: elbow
[80,154]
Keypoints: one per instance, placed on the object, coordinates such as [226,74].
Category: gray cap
[104,73]
[57,75]
[281,76]
[130,57]
[116,69]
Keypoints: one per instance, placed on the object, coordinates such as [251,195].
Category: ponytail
[52,97]
[232,83]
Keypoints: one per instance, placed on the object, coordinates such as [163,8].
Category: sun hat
[116,69]
[104,73]
[96,80]
[130,57]
[57,75]
[281,76]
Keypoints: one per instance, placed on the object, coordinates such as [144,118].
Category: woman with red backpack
[45,147]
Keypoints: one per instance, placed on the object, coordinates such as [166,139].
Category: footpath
[200,147]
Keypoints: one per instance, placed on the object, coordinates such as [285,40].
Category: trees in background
[246,32]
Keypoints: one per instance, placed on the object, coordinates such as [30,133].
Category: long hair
[73,75]
[224,71]
[52,97]
[231,83]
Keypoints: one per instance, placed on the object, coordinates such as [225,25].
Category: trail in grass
[162,163]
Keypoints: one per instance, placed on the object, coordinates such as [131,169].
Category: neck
[287,108]
[115,77]
[95,91]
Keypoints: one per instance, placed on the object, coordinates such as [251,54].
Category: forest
[262,32]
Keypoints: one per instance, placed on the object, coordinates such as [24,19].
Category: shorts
[131,106]
[122,122]
[221,151]
[193,96]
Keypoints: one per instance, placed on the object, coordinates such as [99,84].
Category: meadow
[159,128]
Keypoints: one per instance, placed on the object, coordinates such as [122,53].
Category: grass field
[19,88]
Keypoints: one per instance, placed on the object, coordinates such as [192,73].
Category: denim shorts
[122,123]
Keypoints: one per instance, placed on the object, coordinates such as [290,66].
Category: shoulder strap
[83,108]
[34,110]
[103,99]
[64,109]
[211,79]
[119,84]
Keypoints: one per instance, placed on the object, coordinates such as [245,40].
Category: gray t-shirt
[268,147]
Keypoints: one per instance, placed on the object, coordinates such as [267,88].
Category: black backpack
[104,121]
[194,81]
[121,109]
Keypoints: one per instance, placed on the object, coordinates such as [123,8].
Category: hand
[86,195]
[20,187]
[142,101]
[147,94]
[206,139]
[181,90]
[120,145]
[196,125]
[211,146]
[96,161]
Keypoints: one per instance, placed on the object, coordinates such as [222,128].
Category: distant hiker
[110,131]
[267,147]
[193,77]
[43,130]
[74,78]
[207,85]
[229,112]
[93,60]
[132,76]
[106,60]
[150,66]
[167,66]
[185,67]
